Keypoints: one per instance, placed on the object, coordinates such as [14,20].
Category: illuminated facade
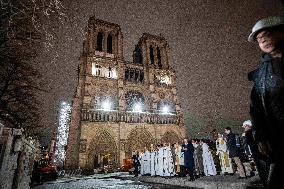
[121,106]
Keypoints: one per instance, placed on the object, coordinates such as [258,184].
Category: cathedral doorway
[102,150]
[170,137]
[137,139]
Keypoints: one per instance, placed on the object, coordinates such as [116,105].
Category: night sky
[208,50]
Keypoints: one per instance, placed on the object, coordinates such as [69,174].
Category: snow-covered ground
[93,182]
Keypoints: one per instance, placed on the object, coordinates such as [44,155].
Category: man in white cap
[260,160]
[247,125]
[267,96]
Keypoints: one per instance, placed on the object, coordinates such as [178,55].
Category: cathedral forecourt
[121,106]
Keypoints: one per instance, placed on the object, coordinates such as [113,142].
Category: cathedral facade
[121,106]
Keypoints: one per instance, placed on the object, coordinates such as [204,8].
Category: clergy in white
[208,162]
[146,163]
[160,161]
[153,161]
[182,165]
[165,161]
[141,160]
[171,164]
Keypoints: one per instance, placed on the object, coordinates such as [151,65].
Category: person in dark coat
[173,153]
[136,163]
[234,152]
[188,149]
[267,95]
[259,159]
[198,159]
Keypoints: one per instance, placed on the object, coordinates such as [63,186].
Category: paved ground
[126,181]
[109,181]
[210,182]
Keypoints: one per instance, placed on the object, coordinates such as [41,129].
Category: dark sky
[207,39]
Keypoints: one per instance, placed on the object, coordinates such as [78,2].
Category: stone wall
[16,159]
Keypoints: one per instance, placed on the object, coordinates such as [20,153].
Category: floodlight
[165,110]
[106,106]
[137,108]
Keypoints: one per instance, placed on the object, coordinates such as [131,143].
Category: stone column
[155,56]
[166,54]
[119,49]
[105,42]
[91,39]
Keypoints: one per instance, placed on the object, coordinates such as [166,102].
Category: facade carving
[121,106]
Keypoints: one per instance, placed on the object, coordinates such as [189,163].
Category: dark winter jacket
[267,102]
[253,146]
[135,159]
[188,150]
[232,145]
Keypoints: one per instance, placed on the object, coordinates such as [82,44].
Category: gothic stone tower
[121,106]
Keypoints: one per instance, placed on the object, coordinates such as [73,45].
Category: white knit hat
[265,23]
[247,122]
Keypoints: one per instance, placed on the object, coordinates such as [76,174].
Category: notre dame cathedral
[121,106]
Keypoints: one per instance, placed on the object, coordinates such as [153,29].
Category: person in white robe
[208,162]
[160,161]
[165,161]
[146,162]
[153,161]
[181,162]
[141,160]
[171,165]
[222,152]
[157,160]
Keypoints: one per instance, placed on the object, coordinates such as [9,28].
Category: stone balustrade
[128,117]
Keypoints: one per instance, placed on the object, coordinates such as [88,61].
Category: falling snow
[208,42]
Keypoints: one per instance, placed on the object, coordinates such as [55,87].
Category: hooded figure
[267,96]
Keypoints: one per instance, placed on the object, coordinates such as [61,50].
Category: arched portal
[102,150]
[170,137]
[137,139]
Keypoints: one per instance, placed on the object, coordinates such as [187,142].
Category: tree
[19,80]
[195,125]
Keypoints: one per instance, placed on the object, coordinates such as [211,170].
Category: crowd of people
[193,158]
[263,135]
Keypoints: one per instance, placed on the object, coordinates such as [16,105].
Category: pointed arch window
[159,57]
[138,55]
[141,79]
[151,55]
[109,44]
[99,46]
